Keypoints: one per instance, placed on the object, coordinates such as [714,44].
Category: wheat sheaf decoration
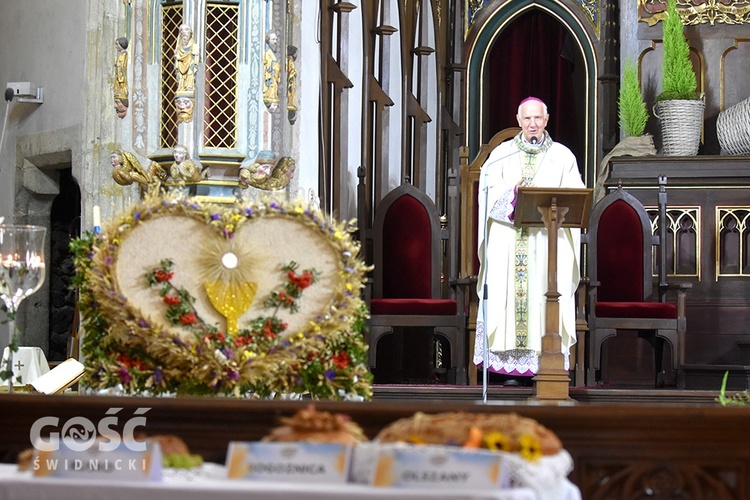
[250,300]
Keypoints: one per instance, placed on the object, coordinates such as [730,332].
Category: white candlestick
[97,219]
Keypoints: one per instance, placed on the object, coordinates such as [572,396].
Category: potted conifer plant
[679,106]
[631,106]
[633,114]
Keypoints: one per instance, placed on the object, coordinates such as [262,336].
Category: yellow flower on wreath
[497,441]
[531,448]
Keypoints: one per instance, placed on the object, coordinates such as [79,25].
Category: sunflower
[531,449]
[497,441]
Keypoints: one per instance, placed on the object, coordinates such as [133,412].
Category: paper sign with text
[122,463]
[428,467]
[289,462]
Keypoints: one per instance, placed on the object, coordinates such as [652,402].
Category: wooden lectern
[553,208]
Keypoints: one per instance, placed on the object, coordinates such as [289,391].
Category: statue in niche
[263,174]
[271,72]
[184,169]
[186,61]
[291,84]
[184,106]
[120,83]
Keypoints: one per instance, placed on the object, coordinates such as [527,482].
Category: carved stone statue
[184,169]
[271,72]
[291,83]
[263,174]
[186,60]
[126,169]
[120,83]
[184,108]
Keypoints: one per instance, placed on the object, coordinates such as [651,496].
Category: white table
[181,485]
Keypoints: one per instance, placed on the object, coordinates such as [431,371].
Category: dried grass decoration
[262,299]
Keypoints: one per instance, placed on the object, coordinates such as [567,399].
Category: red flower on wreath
[172,300]
[162,275]
[286,299]
[341,360]
[129,362]
[301,281]
[188,319]
[268,330]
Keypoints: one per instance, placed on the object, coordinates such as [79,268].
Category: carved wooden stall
[708,210]
[620,451]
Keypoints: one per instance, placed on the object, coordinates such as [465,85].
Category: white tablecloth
[182,485]
[29,363]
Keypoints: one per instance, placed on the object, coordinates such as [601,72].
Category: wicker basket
[681,122]
[733,129]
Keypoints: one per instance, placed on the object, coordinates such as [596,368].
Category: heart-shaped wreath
[263,299]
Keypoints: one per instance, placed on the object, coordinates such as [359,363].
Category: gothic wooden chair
[620,270]
[407,242]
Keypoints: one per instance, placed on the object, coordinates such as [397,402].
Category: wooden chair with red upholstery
[407,241]
[621,282]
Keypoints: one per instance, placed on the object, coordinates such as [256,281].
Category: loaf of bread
[497,431]
[169,444]
[312,426]
[174,451]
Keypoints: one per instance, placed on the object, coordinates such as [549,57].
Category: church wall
[45,43]
[720,57]
[40,43]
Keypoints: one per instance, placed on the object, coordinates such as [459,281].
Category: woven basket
[733,129]
[681,122]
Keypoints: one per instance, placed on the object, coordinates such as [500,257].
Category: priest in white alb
[513,261]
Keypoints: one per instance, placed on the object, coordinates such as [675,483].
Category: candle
[97,219]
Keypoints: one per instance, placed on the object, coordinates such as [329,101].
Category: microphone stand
[485,291]
[485,288]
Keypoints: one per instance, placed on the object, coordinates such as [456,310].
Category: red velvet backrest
[620,254]
[407,248]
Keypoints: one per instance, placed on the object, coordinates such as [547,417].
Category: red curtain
[531,57]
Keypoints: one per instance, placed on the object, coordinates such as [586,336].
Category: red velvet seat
[407,243]
[621,275]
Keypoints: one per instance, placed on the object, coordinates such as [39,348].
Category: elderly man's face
[273,41]
[532,120]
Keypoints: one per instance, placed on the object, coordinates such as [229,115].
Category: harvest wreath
[261,299]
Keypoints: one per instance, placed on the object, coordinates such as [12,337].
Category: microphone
[8,94]
[534,140]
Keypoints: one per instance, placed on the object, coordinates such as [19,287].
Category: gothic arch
[480,41]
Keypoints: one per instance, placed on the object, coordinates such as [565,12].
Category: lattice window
[220,92]
[683,240]
[732,241]
[170,22]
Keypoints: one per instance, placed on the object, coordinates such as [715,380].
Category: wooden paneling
[620,450]
[718,310]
